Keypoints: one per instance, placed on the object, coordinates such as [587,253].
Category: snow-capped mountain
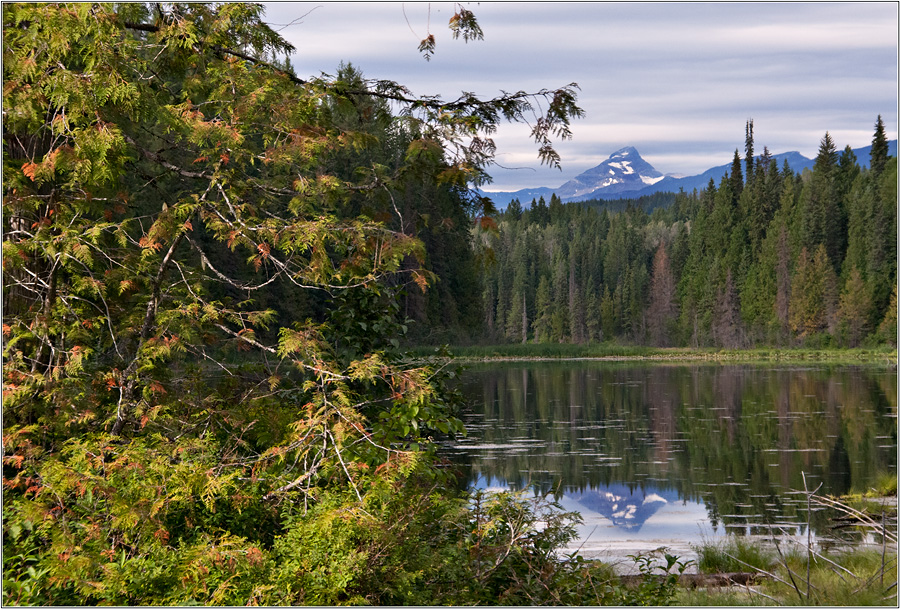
[626,175]
[623,171]
[622,174]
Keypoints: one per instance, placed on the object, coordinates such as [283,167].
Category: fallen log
[700,580]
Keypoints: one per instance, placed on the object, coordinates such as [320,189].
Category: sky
[678,81]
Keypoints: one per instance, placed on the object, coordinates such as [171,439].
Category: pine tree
[556,209]
[608,322]
[783,282]
[853,309]
[879,153]
[880,236]
[539,212]
[576,303]
[736,181]
[543,314]
[727,323]
[592,319]
[560,318]
[514,210]
[823,211]
[748,151]
[888,327]
[813,298]
[662,307]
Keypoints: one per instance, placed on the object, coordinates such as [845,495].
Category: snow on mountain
[626,175]
[623,171]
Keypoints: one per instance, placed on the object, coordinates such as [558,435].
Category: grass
[859,577]
[885,486]
[540,351]
[721,597]
[736,554]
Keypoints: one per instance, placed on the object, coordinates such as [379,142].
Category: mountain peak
[623,171]
[626,174]
[625,152]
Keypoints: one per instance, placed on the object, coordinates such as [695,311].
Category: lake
[670,455]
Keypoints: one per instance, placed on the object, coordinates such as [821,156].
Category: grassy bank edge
[609,352]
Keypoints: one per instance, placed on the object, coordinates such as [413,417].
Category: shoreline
[505,353]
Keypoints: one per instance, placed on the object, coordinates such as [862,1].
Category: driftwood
[873,522]
[700,580]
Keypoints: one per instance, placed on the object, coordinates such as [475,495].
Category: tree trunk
[524,321]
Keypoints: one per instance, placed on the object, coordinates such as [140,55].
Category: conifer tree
[783,282]
[879,153]
[539,212]
[608,322]
[848,170]
[662,299]
[736,179]
[542,324]
[822,209]
[813,297]
[881,249]
[853,308]
[748,151]
[592,318]
[727,323]
[514,210]
[888,327]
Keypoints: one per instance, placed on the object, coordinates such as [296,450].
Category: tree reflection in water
[624,440]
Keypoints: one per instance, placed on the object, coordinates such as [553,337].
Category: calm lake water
[671,455]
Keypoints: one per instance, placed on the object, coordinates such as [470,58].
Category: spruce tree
[888,327]
[542,324]
[608,323]
[661,310]
[813,294]
[853,309]
[748,150]
[879,154]
[736,181]
[514,210]
[727,320]
[783,282]
[823,212]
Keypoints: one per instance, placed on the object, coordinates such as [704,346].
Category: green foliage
[208,265]
[655,589]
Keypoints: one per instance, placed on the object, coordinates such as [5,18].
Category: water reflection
[627,509]
[627,443]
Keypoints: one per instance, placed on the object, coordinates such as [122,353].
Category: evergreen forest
[765,257]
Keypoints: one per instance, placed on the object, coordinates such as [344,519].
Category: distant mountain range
[626,175]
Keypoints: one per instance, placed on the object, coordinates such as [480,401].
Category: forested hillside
[764,257]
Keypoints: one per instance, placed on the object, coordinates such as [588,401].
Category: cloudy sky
[678,81]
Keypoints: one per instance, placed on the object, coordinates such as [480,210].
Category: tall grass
[798,573]
[859,577]
[735,554]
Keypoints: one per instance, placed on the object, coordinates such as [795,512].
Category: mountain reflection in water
[712,446]
[625,508]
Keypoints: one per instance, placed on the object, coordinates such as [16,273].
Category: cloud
[675,80]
